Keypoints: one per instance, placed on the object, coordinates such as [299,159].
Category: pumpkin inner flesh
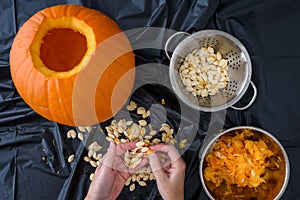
[62,49]
[48,28]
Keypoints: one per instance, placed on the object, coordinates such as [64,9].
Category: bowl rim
[210,143]
[244,88]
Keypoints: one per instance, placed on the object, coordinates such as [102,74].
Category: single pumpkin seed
[109,139]
[71,158]
[89,129]
[141,110]
[81,128]
[151,177]
[142,122]
[71,134]
[140,144]
[124,140]
[156,141]
[128,181]
[133,177]
[80,136]
[138,178]
[93,163]
[111,135]
[153,132]
[144,149]
[91,176]
[182,143]
[146,177]
[86,158]
[132,187]
[148,137]
[146,114]
[142,183]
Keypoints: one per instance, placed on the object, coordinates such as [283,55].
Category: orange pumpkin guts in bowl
[244,163]
[72,65]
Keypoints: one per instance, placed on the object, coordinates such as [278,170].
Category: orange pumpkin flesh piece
[53,64]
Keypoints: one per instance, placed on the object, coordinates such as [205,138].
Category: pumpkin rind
[50,93]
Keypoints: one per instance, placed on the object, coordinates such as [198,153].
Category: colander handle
[169,39]
[252,100]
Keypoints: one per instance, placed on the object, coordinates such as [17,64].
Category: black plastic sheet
[33,150]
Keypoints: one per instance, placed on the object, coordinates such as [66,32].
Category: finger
[167,168]
[169,149]
[167,164]
[109,157]
[98,168]
[121,148]
[157,147]
[142,164]
[128,145]
[119,164]
[158,172]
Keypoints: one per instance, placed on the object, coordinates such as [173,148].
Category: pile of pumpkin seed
[124,131]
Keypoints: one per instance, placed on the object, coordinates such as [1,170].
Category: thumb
[109,157]
[158,172]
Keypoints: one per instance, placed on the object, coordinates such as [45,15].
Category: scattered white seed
[91,176]
[146,178]
[140,144]
[128,181]
[144,149]
[156,141]
[151,177]
[99,157]
[129,123]
[142,122]
[132,106]
[71,158]
[81,128]
[148,137]
[71,134]
[146,114]
[90,153]
[132,187]
[87,159]
[152,133]
[80,136]
[124,140]
[88,129]
[182,143]
[141,110]
[142,183]
[93,163]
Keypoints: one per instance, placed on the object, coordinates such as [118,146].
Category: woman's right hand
[169,179]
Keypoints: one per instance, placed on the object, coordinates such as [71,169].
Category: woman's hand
[111,175]
[169,179]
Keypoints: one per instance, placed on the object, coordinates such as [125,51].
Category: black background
[270,31]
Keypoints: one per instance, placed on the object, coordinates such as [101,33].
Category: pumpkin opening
[62,46]
[62,49]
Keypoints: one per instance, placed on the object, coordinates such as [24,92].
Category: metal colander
[239,69]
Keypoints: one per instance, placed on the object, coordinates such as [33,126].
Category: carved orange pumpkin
[72,65]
